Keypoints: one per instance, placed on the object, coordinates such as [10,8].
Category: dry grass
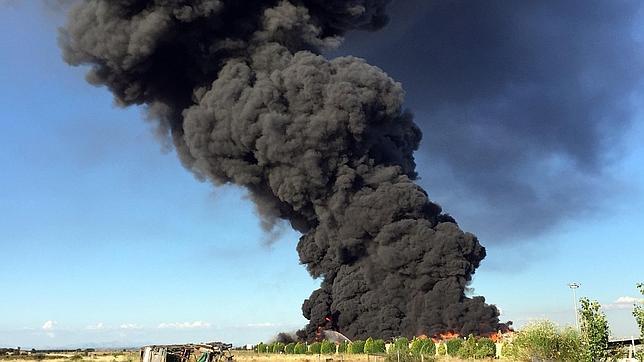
[81,357]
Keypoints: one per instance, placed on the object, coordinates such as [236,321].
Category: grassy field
[72,357]
[241,356]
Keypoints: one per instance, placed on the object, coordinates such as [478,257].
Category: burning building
[243,92]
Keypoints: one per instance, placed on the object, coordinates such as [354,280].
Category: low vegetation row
[540,340]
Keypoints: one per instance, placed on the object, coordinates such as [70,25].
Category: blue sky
[105,239]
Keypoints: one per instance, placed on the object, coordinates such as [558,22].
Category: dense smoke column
[325,144]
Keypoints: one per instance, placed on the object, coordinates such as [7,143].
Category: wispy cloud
[130,326]
[97,326]
[185,325]
[623,303]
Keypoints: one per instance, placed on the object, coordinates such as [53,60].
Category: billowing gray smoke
[325,144]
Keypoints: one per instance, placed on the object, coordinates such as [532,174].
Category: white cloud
[185,325]
[49,327]
[95,327]
[623,303]
[130,326]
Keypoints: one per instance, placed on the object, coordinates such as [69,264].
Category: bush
[569,344]
[278,347]
[452,346]
[356,346]
[300,348]
[289,348]
[327,347]
[379,346]
[422,346]
[542,340]
[76,357]
[485,348]
[343,347]
[368,345]
[401,344]
[467,348]
[442,349]
[315,348]
[261,348]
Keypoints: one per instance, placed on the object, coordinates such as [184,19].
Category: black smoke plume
[325,144]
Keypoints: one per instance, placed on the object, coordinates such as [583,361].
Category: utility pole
[574,287]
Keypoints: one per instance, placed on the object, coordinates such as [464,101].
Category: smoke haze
[522,104]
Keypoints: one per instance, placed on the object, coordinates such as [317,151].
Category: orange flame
[495,337]
[444,336]
[448,335]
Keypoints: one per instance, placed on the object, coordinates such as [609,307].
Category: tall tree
[594,331]
[638,312]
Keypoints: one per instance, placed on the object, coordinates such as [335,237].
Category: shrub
[76,357]
[368,345]
[289,348]
[569,344]
[422,346]
[442,349]
[261,348]
[467,348]
[327,347]
[278,347]
[542,340]
[356,346]
[315,348]
[343,347]
[485,347]
[401,344]
[452,346]
[300,348]
[379,346]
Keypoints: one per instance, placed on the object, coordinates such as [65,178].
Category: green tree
[300,348]
[638,313]
[594,331]
[315,348]
[289,348]
[356,346]
[327,347]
